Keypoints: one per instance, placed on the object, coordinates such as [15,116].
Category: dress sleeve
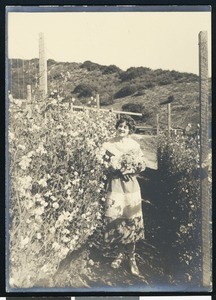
[111,149]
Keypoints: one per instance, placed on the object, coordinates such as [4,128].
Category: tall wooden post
[29,94]
[205,198]
[169,117]
[42,66]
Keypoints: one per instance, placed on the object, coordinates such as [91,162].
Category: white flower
[46,268]
[65,231]
[56,246]
[30,154]
[41,150]
[64,251]
[81,191]
[42,182]
[67,186]
[65,239]
[11,136]
[11,281]
[52,230]
[48,194]
[91,262]
[55,205]
[25,182]
[39,220]
[24,241]
[72,133]
[59,126]
[39,211]
[54,101]
[38,236]
[24,163]
[28,204]
[43,203]
[68,192]
[35,127]
[75,181]
[22,147]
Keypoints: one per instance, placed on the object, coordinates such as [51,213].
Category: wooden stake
[169,117]
[42,66]
[98,101]
[29,95]
[158,125]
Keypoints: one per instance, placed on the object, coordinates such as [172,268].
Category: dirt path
[149,147]
[88,268]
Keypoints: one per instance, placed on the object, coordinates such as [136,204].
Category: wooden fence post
[205,197]
[169,117]
[158,125]
[98,101]
[42,66]
[29,95]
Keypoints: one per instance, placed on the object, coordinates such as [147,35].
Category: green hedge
[179,225]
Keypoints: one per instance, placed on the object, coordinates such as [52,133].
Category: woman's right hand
[126,177]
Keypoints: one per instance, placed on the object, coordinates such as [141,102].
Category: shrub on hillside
[125,91]
[84,90]
[111,69]
[106,99]
[133,107]
[50,62]
[90,66]
[139,93]
[133,72]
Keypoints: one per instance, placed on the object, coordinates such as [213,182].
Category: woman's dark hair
[129,122]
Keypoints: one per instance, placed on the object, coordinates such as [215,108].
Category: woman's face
[123,129]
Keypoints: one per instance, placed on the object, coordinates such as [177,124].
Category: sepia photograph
[108,149]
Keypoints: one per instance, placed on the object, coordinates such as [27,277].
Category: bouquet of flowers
[128,163]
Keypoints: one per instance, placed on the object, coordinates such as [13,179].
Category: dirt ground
[148,145]
[94,270]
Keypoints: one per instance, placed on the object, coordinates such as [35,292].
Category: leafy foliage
[111,69]
[90,66]
[56,188]
[84,90]
[179,192]
[57,196]
[133,72]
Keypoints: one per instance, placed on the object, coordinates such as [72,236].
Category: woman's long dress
[123,209]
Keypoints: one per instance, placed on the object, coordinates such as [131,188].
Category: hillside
[142,89]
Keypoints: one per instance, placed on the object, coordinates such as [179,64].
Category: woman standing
[123,209]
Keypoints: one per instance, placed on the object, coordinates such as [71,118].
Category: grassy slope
[185,108]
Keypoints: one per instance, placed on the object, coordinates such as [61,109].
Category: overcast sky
[166,40]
